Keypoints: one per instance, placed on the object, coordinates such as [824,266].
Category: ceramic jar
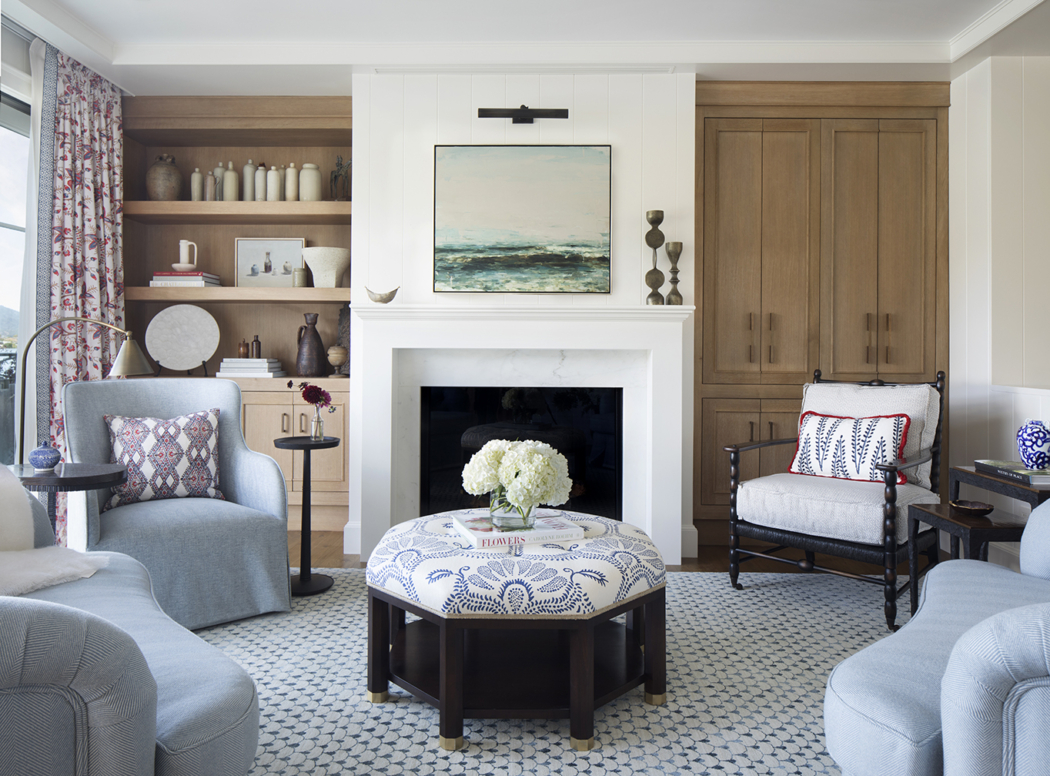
[273,185]
[218,172]
[260,183]
[163,180]
[211,188]
[44,458]
[196,185]
[231,182]
[310,183]
[291,184]
[1033,444]
[248,182]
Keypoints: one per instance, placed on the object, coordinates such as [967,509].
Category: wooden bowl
[972,508]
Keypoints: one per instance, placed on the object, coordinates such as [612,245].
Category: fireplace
[645,352]
[583,424]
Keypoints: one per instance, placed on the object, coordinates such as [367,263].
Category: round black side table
[306,583]
[68,477]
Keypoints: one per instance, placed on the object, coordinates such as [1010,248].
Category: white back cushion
[920,402]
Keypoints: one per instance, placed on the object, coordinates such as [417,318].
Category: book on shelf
[252,361]
[211,275]
[1014,470]
[248,374]
[479,531]
[191,283]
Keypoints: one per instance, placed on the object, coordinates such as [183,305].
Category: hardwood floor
[327,552]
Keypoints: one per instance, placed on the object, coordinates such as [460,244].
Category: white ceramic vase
[310,183]
[231,183]
[327,265]
[260,183]
[291,184]
[248,186]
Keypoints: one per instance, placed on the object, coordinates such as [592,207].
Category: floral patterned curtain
[87,277]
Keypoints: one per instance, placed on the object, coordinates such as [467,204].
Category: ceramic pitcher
[312,358]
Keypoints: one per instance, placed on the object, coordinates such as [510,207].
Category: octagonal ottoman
[526,632]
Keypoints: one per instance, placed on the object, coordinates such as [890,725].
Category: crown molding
[997,19]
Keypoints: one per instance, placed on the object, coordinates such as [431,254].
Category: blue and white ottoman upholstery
[516,599]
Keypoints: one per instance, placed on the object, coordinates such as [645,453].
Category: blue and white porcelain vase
[1033,444]
[45,458]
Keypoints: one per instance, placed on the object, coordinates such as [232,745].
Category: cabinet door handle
[887,323]
[771,430]
[867,321]
[284,422]
[771,321]
[752,424]
[867,354]
[771,354]
[750,354]
[750,321]
[887,354]
[302,422]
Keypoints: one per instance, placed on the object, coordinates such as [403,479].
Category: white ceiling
[313,46]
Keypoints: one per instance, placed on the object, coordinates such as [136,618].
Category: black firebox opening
[583,424]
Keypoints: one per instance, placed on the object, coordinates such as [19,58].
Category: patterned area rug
[745,682]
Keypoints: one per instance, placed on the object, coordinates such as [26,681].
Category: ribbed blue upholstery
[210,561]
[964,687]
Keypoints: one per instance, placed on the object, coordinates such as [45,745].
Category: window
[14,170]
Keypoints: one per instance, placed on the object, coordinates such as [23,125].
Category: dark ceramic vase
[163,180]
[312,360]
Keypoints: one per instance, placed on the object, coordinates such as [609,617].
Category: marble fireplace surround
[646,351]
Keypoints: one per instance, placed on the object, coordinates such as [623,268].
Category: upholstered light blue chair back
[1035,543]
[87,434]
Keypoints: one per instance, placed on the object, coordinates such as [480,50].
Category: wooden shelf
[238,212]
[223,294]
[239,121]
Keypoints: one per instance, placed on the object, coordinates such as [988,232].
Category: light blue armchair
[963,688]
[211,561]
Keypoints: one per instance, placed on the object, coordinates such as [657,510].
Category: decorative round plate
[972,508]
[182,336]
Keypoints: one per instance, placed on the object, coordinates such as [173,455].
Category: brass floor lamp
[130,361]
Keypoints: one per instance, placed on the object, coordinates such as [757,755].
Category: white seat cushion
[920,402]
[821,506]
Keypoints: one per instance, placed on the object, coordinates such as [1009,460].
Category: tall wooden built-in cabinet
[822,212]
[204,132]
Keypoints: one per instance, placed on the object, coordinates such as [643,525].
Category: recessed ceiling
[313,46]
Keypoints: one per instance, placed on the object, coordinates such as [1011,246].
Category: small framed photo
[267,262]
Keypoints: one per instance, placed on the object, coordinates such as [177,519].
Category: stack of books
[232,368]
[184,280]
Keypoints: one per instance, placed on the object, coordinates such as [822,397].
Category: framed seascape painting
[522,219]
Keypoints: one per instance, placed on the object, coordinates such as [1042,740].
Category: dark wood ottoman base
[502,668]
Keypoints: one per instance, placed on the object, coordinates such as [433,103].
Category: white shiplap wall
[999,215]
[647,119]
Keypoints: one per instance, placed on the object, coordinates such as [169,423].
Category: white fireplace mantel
[646,351]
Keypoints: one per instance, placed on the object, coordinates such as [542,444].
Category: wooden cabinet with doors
[739,421]
[878,268]
[822,216]
[761,250]
[269,411]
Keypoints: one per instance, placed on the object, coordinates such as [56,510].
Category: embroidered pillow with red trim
[177,458]
[849,448]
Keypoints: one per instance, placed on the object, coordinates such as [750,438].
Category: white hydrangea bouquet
[518,476]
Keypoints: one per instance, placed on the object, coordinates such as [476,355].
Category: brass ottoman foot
[451,744]
[377,697]
[582,744]
[656,700]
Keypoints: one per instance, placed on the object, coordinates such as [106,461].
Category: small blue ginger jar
[45,458]
[1033,444]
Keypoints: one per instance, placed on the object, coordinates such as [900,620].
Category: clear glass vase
[505,516]
[317,426]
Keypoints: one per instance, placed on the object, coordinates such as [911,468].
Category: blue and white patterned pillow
[849,448]
[177,458]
